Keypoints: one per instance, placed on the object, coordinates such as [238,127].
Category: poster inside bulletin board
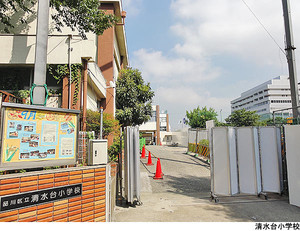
[31,135]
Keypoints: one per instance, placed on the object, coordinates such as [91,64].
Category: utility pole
[40,64]
[290,48]
[101,123]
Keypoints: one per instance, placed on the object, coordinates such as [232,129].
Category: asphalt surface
[183,195]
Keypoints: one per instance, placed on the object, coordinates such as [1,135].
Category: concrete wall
[20,48]
[91,99]
[149,126]
[180,138]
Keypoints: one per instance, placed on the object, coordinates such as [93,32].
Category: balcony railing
[9,98]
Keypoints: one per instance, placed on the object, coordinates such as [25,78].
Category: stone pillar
[168,126]
[157,126]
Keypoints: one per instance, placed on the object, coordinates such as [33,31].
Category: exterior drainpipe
[85,61]
[70,69]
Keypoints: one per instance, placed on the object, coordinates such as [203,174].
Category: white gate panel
[270,159]
[248,160]
[292,134]
[131,164]
[223,156]
[233,161]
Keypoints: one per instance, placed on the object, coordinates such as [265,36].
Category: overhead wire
[282,50]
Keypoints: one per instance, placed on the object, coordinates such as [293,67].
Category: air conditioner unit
[97,152]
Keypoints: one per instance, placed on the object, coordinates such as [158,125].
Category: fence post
[120,169]
[196,149]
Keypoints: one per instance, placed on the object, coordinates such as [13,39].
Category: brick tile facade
[90,207]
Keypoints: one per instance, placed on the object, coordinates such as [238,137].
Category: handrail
[284,109]
[7,97]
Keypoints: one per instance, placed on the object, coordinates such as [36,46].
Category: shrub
[110,125]
[204,142]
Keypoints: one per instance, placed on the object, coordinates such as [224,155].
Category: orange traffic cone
[158,174]
[149,159]
[143,153]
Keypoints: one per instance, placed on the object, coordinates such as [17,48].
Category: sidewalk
[184,195]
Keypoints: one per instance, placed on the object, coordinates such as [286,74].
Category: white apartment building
[265,98]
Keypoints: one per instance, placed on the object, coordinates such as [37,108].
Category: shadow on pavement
[189,185]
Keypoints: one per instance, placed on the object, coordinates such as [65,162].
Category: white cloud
[189,96]
[219,27]
[208,30]
[181,99]
[160,69]
[133,7]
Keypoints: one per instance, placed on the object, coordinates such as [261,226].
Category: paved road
[184,195]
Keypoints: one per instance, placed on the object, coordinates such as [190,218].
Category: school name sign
[22,200]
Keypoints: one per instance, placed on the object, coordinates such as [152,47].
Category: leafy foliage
[278,120]
[110,125]
[242,118]
[23,94]
[221,124]
[133,98]
[114,149]
[8,8]
[204,142]
[197,118]
[61,71]
[81,15]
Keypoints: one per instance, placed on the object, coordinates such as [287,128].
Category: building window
[163,119]
[153,117]
[15,78]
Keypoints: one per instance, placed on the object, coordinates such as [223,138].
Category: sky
[206,53]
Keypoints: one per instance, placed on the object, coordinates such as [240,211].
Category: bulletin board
[34,136]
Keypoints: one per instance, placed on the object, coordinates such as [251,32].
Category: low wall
[180,138]
[89,206]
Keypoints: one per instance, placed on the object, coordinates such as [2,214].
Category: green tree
[278,120]
[242,118]
[81,15]
[110,125]
[197,118]
[133,98]
[8,8]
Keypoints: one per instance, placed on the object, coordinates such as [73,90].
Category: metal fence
[83,148]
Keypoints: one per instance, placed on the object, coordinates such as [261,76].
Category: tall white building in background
[265,98]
